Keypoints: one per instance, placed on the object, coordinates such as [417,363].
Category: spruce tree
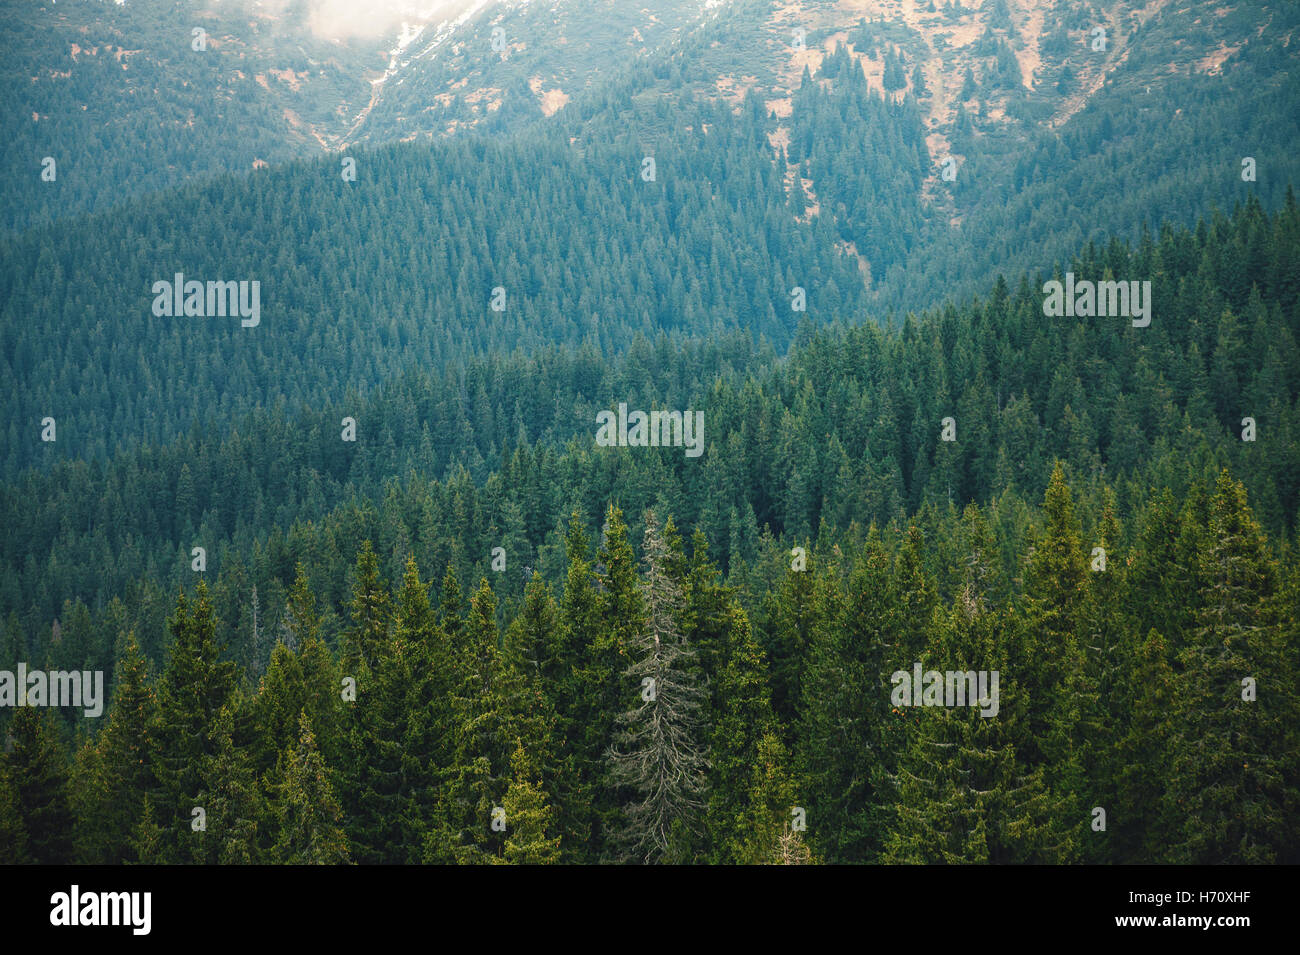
[532,656]
[618,624]
[964,793]
[194,688]
[13,833]
[309,817]
[365,636]
[301,678]
[530,819]
[1234,738]
[230,799]
[451,607]
[117,770]
[534,637]
[658,758]
[493,713]
[1051,669]
[149,839]
[773,833]
[38,772]
[789,614]
[396,747]
[845,734]
[742,717]
[1144,826]
[579,733]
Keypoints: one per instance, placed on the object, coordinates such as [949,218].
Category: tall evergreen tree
[846,733]
[231,802]
[658,757]
[309,831]
[775,828]
[580,733]
[117,770]
[396,748]
[1234,738]
[491,718]
[742,718]
[618,626]
[1049,660]
[13,833]
[529,817]
[195,686]
[365,636]
[1140,814]
[38,772]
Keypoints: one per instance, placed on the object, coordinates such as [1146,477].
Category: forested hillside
[360,280]
[126,99]
[356,674]
[371,261]
[741,432]
[1193,117]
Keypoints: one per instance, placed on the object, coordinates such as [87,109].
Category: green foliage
[114,773]
[1231,752]
[35,771]
[192,727]
[310,831]
[529,817]
[1121,687]
[657,757]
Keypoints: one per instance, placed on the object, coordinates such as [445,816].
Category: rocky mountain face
[150,93]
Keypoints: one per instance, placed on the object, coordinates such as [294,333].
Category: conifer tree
[230,800]
[195,686]
[1233,743]
[1050,663]
[790,615]
[915,601]
[658,757]
[706,619]
[37,768]
[451,606]
[951,764]
[397,745]
[579,733]
[365,636]
[1153,596]
[618,624]
[532,655]
[13,834]
[530,819]
[1107,643]
[743,716]
[535,637]
[964,795]
[968,87]
[148,838]
[116,772]
[301,679]
[309,817]
[845,737]
[1144,827]
[491,718]
[774,833]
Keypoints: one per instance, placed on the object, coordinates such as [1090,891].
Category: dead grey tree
[658,754]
